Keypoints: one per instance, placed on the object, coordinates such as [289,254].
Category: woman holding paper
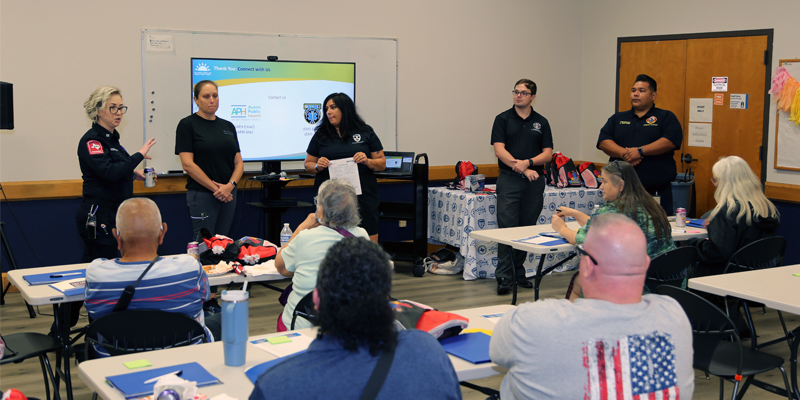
[624,194]
[343,135]
[730,225]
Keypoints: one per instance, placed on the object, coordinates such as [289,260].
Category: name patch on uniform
[624,122]
[95,147]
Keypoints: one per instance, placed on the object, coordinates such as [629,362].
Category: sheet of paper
[346,168]
[701,110]
[493,318]
[298,343]
[261,269]
[535,239]
[699,135]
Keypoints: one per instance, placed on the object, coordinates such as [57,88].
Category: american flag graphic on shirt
[634,367]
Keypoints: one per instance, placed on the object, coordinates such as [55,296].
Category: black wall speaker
[6,105]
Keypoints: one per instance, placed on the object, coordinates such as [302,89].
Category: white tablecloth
[453,214]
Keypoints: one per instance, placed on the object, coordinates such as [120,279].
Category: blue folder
[255,371]
[48,278]
[554,242]
[473,347]
[132,385]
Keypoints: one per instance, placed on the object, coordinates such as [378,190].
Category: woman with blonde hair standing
[743,215]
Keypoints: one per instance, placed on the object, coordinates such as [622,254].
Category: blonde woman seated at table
[336,217]
[624,194]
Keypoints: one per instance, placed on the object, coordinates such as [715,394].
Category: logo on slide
[202,69]
[239,111]
[312,113]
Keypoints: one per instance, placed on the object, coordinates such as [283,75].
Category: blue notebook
[132,385]
[473,347]
[255,371]
[54,277]
[554,242]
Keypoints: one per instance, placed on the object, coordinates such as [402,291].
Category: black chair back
[134,331]
[671,268]
[305,309]
[710,327]
[761,254]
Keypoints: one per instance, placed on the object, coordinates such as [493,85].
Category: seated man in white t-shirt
[336,217]
[614,343]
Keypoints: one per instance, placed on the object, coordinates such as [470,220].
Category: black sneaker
[211,307]
[503,286]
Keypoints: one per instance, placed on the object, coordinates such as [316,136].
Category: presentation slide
[275,105]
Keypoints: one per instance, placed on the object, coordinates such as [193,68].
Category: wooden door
[683,70]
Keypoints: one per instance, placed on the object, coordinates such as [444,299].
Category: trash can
[682,192]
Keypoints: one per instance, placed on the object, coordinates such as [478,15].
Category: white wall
[605,21]
[458,61]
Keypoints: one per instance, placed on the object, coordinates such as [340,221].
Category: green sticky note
[137,364]
[796,274]
[279,339]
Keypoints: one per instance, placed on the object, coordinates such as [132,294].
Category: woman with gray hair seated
[335,218]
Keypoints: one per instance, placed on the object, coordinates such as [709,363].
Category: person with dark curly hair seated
[356,334]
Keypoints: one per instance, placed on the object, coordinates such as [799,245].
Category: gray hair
[98,100]
[138,218]
[339,204]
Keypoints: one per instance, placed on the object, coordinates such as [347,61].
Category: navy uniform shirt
[367,142]
[626,129]
[106,167]
[523,138]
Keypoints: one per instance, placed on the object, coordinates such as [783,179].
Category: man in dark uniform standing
[646,137]
[522,143]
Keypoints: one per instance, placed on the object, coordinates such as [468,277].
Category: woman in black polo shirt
[343,134]
[209,152]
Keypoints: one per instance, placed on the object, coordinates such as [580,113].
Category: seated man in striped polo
[614,343]
[173,284]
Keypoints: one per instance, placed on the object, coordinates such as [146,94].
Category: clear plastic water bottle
[286,234]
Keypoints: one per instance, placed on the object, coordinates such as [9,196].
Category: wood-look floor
[442,292]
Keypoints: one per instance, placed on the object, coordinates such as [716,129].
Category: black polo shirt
[214,144]
[626,129]
[523,138]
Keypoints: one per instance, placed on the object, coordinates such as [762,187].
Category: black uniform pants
[519,203]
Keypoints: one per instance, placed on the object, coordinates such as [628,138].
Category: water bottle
[286,234]
[235,326]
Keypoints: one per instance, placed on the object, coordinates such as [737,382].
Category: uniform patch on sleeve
[95,147]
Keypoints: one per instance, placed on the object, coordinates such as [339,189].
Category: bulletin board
[167,87]
[787,134]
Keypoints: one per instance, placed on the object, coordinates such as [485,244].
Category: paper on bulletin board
[700,135]
[160,43]
[701,110]
[719,84]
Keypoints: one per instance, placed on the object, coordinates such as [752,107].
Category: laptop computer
[398,163]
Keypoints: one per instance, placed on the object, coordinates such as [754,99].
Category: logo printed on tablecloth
[572,204]
[542,219]
[460,221]
[494,262]
[446,218]
[552,206]
[481,223]
[590,205]
[581,193]
[491,209]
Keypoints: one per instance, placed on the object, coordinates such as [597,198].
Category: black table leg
[61,328]
[540,274]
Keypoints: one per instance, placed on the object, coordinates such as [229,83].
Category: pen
[686,231]
[63,275]
[154,380]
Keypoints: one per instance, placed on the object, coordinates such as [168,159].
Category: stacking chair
[22,346]
[761,254]
[304,309]
[671,268]
[717,348]
[135,331]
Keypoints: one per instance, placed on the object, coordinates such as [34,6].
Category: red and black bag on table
[561,172]
[590,176]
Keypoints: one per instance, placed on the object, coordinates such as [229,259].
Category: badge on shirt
[94,147]
[357,138]
[537,127]
[652,120]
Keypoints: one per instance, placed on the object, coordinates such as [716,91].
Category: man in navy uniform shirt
[522,143]
[646,137]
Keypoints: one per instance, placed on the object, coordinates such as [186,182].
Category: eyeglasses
[315,200]
[617,164]
[114,109]
[523,94]
[584,253]
[715,181]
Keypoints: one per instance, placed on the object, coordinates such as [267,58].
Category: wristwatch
[316,167]
[234,184]
[641,152]
[530,162]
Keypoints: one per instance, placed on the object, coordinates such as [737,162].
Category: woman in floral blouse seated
[624,194]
